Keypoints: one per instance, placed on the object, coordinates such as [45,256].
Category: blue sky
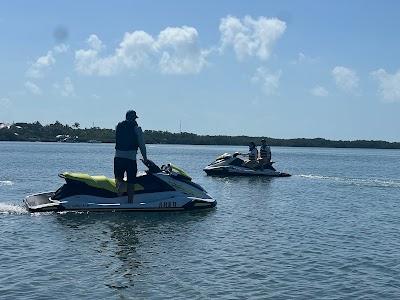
[265,68]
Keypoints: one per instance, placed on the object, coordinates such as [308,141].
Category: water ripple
[6,182]
[371,182]
[10,208]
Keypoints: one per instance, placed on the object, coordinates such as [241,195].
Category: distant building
[65,138]
[4,125]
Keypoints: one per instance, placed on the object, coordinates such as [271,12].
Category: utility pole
[180,126]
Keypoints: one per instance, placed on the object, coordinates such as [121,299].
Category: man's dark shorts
[122,165]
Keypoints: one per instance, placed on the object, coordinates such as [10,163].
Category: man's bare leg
[119,184]
[131,192]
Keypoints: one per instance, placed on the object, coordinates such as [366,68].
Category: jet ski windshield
[224,156]
[168,169]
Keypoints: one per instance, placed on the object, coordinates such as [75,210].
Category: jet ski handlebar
[168,168]
[153,168]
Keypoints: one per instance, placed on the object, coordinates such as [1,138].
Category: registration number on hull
[167,204]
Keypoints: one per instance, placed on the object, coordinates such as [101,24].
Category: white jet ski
[165,189]
[234,165]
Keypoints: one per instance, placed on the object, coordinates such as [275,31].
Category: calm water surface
[331,231]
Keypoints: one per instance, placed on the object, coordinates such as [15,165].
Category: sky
[281,69]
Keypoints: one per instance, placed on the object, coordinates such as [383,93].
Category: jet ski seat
[100,181]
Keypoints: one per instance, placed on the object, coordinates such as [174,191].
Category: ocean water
[331,231]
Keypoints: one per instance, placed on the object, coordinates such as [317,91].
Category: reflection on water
[126,238]
[129,243]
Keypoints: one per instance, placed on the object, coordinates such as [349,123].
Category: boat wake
[9,208]
[6,182]
[372,182]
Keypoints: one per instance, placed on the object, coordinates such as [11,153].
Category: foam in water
[373,182]
[8,208]
[6,182]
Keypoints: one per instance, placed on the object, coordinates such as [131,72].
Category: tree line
[57,132]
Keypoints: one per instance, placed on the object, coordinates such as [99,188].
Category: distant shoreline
[57,132]
[220,145]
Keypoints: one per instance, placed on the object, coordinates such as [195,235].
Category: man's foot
[131,192]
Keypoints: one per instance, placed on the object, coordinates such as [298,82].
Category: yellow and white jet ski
[165,189]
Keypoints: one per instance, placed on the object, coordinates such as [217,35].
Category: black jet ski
[234,165]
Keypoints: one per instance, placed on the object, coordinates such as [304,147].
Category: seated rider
[253,154]
[265,153]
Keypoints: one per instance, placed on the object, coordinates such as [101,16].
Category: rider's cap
[131,115]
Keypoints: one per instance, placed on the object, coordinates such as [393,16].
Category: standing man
[265,153]
[128,138]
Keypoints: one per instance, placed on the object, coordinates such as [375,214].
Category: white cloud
[5,102]
[251,37]
[61,48]
[268,80]
[87,62]
[66,88]
[40,65]
[37,69]
[319,91]
[174,51]
[181,53]
[94,42]
[135,50]
[33,88]
[389,85]
[302,58]
[345,78]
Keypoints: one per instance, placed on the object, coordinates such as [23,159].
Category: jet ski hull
[44,203]
[228,171]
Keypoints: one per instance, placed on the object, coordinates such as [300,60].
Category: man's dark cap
[131,115]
